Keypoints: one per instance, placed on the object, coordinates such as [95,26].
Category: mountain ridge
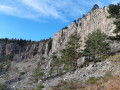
[26,58]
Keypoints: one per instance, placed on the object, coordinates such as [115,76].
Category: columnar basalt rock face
[92,21]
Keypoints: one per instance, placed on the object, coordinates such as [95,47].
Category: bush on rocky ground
[3,86]
[38,73]
[39,87]
[69,56]
[79,85]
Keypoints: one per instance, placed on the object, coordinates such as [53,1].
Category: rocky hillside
[21,57]
[20,61]
[27,49]
[92,21]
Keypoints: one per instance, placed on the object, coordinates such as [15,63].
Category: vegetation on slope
[78,85]
[115,58]
[95,7]
[3,86]
[97,45]
[39,87]
[70,53]
[68,58]
[114,11]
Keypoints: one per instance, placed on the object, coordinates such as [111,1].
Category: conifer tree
[70,53]
[114,11]
[95,7]
[96,46]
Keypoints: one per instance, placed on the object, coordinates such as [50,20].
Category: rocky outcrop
[2,50]
[92,21]
[18,60]
[26,50]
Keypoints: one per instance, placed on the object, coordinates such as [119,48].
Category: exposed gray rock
[2,50]
[83,74]
[80,61]
[12,49]
[92,21]
[115,46]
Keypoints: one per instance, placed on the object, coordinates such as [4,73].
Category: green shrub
[67,68]
[43,58]
[8,57]
[108,74]
[6,76]
[39,87]
[22,73]
[38,73]
[8,66]
[3,86]
[1,66]
[92,80]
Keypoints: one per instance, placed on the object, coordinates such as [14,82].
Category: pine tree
[96,46]
[117,29]
[70,53]
[114,11]
[95,7]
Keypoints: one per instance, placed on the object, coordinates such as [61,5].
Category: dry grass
[63,85]
[109,83]
[115,57]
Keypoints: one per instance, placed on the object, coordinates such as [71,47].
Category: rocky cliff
[25,56]
[25,49]
[21,56]
[92,21]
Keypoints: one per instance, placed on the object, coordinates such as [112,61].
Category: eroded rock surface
[92,21]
